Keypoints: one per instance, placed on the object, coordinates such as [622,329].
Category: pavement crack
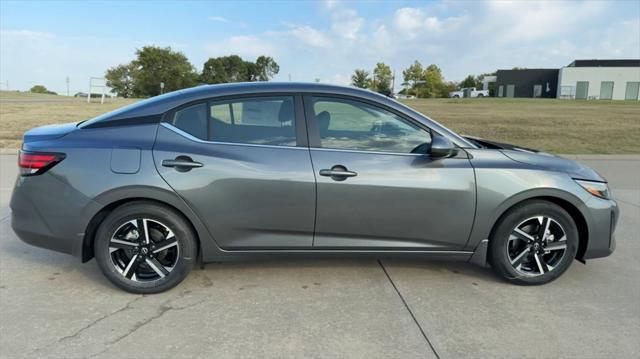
[162,310]
[88,326]
[404,302]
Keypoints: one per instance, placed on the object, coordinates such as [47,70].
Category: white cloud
[330,4]
[346,23]
[218,19]
[412,23]
[536,20]
[310,36]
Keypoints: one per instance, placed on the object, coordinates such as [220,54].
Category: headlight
[598,189]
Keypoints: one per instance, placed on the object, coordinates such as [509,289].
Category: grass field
[558,126]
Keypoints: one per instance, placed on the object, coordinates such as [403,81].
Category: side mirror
[442,147]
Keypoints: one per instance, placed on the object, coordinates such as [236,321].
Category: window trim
[314,133]
[193,138]
[300,126]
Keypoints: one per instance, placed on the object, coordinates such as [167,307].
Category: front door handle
[182,163]
[338,173]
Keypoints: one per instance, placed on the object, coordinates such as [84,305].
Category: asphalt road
[53,306]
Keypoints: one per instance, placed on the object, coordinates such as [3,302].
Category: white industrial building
[600,80]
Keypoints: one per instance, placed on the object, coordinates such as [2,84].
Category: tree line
[418,81]
[153,66]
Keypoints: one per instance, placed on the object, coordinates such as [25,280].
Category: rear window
[260,120]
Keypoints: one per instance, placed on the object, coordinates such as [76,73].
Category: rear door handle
[182,163]
[338,173]
[332,173]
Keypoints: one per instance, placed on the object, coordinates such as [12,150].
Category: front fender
[500,189]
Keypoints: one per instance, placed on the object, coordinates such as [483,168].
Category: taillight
[35,163]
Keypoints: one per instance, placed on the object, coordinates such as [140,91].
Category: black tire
[532,272]
[157,217]
[480,95]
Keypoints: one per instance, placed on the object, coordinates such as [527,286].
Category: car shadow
[42,263]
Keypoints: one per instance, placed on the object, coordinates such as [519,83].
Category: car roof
[163,103]
[153,107]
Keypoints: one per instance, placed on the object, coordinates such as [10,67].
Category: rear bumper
[603,218]
[47,213]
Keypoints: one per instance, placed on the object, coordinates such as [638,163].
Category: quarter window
[258,120]
[353,125]
[192,120]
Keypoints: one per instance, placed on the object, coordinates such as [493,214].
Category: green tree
[266,68]
[434,81]
[414,77]
[121,79]
[41,89]
[469,81]
[382,78]
[154,65]
[447,87]
[360,78]
[234,69]
[224,69]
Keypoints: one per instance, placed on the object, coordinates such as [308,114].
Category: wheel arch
[113,200]
[576,214]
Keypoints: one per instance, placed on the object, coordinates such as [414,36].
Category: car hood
[541,159]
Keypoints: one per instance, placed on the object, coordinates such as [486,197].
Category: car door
[242,166]
[376,187]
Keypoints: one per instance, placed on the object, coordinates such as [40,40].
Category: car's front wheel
[534,243]
[144,247]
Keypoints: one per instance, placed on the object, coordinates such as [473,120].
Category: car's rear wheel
[144,247]
[534,243]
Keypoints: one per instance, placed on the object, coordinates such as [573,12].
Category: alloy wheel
[536,246]
[144,250]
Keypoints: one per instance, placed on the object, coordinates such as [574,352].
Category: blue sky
[42,42]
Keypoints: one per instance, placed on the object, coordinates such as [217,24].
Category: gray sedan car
[265,170]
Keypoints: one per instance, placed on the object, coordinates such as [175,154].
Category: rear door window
[264,120]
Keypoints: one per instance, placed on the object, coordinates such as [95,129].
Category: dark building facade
[527,83]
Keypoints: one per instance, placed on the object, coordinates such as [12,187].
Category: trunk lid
[49,132]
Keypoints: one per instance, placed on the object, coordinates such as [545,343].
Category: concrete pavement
[53,306]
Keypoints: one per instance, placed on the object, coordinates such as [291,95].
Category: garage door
[606,90]
[582,90]
[632,91]
[511,89]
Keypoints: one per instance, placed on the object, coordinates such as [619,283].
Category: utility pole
[67,85]
[393,82]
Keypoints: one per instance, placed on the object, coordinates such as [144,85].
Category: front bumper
[602,220]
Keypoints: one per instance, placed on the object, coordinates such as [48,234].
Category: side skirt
[239,255]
